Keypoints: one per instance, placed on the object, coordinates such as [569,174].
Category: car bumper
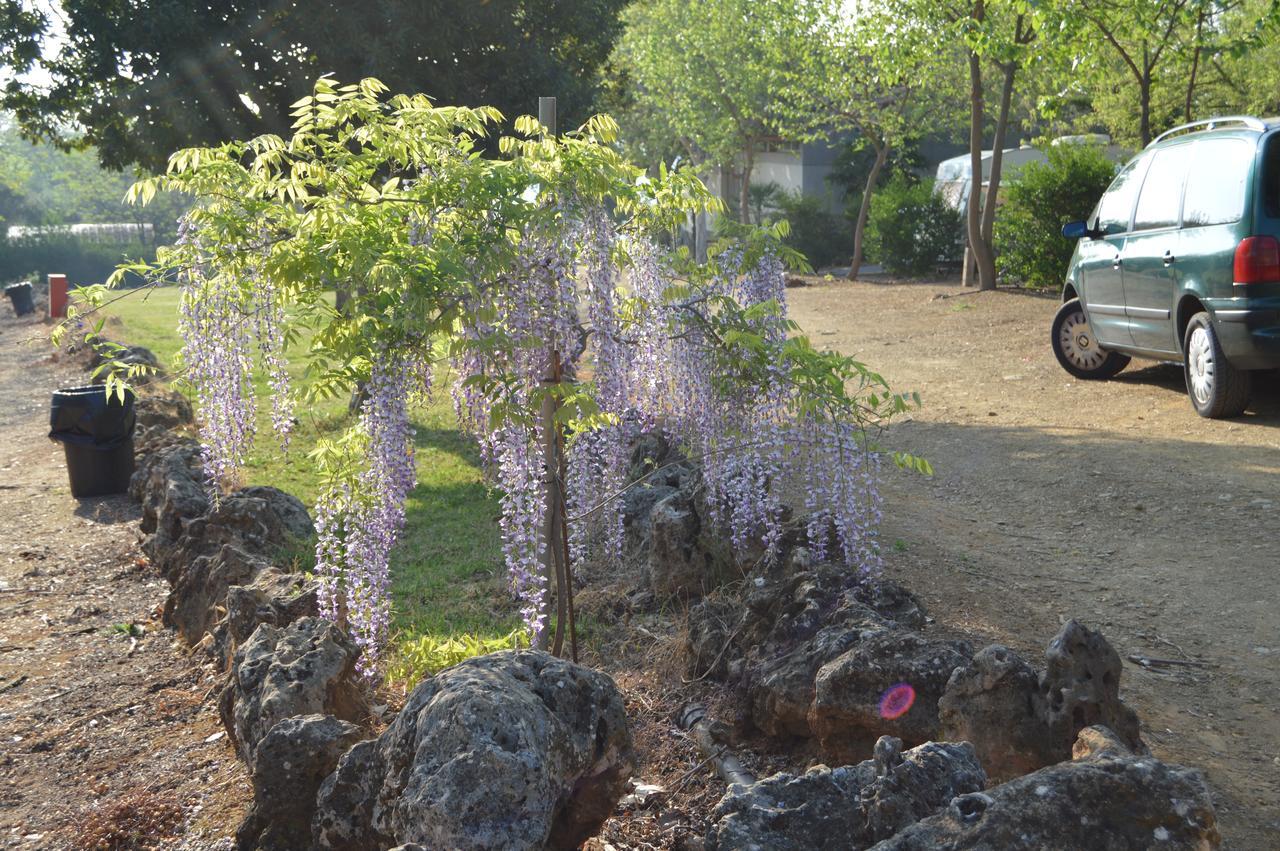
[1249,331]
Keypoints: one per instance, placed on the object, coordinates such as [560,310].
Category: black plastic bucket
[20,295]
[96,433]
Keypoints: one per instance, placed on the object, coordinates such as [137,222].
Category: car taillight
[1258,260]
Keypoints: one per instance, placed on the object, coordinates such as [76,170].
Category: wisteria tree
[536,286]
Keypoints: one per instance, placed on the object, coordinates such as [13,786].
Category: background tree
[1143,39]
[139,80]
[706,75]
[858,76]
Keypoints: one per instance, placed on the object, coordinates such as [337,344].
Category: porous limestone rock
[1107,802]
[849,807]
[513,750]
[1019,721]
[306,668]
[846,714]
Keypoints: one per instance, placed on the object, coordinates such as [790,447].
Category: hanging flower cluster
[223,323]
[357,526]
[655,361]
[569,330]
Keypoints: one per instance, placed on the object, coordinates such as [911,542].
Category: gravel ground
[107,739]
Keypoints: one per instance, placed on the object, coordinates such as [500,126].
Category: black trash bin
[20,295]
[96,432]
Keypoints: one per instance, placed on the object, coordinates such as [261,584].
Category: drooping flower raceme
[358,526]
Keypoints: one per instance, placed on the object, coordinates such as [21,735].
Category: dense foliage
[1029,243]
[824,238]
[532,285]
[145,78]
[82,261]
[911,231]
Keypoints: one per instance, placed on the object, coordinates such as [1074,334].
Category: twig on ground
[1150,662]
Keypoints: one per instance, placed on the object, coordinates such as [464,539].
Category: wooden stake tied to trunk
[555,528]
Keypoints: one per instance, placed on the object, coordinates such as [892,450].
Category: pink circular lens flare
[896,701]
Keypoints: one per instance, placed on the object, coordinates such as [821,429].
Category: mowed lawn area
[448,579]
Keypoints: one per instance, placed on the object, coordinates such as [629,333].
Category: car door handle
[1168,258]
[1115,264]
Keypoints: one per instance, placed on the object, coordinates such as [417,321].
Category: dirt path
[1112,503]
[102,734]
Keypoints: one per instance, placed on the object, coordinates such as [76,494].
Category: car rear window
[1216,185]
[1271,177]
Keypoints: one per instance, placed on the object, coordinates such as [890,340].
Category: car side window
[1216,186]
[1161,196]
[1117,204]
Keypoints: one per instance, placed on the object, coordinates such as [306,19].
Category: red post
[57,296]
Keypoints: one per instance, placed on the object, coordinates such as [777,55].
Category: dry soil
[1109,502]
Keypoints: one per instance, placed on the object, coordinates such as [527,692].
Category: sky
[52,43]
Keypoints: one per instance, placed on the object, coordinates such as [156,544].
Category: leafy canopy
[148,77]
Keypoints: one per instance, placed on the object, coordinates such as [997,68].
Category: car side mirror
[1078,230]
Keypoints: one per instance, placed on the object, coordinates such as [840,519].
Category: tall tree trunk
[860,226]
[981,249]
[997,154]
[1195,67]
[1144,97]
[744,197]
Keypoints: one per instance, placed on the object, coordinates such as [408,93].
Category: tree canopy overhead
[139,80]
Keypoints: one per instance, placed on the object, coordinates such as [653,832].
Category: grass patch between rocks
[448,582]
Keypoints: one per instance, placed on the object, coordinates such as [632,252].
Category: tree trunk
[860,226]
[973,221]
[997,154]
[744,197]
[552,524]
[1195,67]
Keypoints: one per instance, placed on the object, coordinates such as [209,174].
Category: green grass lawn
[448,580]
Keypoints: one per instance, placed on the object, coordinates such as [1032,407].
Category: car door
[1099,260]
[1149,259]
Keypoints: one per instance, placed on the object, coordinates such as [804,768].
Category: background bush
[1030,248]
[83,262]
[823,237]
[910,229]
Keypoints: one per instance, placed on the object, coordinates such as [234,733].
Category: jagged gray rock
[273,597]
[170,485]
[290,763]
[850,807]
[993,702]
[512,750]
[1106,802]
[164,418]
[306,668]
[846,714]
[1081,686]
[1019,721]
[247,532]
[687,557]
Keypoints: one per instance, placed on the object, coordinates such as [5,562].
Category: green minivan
[1180,261]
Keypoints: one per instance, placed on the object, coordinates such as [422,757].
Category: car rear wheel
[1217,389]
[1076,348]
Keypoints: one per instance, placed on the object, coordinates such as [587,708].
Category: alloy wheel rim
[1200,365]
[1078,344]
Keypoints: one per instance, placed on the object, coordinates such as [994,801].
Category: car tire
[1216,388]
[1077,350]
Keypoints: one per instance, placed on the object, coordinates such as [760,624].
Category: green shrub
[825,239]
[1030,248]
[83,262]
[910,229]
